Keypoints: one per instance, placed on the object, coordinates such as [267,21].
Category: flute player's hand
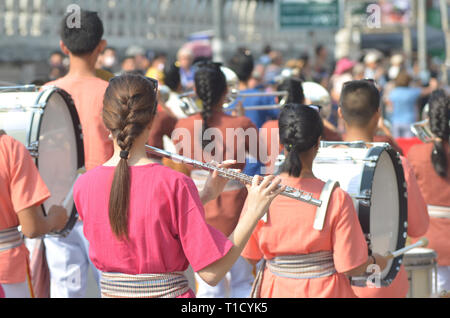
[215,184]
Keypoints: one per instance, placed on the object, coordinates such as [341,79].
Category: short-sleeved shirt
[87,94]
[258,117]
[404,100]
[289,231]
[418,221]
[223,212]
[163,124]
[21,187]
[166,223]
[436,191]
[391,141]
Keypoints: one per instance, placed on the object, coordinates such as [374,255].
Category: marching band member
[145,222]
[22,191]
[320,260]
[242,63]
[67,257]
[222,213]
[359,109]
[431,165]
[296,95]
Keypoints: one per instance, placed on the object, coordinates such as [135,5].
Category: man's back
[87,93]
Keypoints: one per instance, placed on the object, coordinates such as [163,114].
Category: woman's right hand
[261,194]
[381,260]
[58,216]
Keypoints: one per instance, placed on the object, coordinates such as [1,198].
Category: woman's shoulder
[419,152]
[165,175]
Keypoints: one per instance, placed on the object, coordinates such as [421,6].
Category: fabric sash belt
[304,266]
[442,212]
[10,238]
[165,285]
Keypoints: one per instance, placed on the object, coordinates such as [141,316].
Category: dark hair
[300,127]
[242,64]
[129,105]
[403,79]
[172,76]
[84,39]
[439,117]
[360,100]
[210,85]
[319,48]
[293,86]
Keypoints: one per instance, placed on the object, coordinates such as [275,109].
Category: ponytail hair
[293,86]
[300,127]
[129,105]
[439,117]
[210,85]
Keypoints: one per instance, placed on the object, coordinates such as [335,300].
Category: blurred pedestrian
[403,101]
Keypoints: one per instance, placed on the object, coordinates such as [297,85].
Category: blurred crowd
[405,88]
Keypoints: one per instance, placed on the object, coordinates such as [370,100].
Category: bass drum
[47,123]
[372,174]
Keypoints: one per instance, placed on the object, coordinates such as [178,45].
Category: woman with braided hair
[431,165]
[321,255]
[231,140]
[145,222]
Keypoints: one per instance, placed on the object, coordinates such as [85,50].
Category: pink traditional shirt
[166,223]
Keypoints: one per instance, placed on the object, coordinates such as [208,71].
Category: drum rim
[364,211]
[47,93]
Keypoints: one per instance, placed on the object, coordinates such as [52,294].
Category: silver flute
[231,174]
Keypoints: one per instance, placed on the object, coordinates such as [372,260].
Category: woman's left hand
[215,184]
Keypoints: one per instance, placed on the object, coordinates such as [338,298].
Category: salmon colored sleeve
[27,187]
[349,245]
[418,218]
[251,249]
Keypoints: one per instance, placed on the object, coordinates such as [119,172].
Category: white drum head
[373,177]
[385,206]
[58,157]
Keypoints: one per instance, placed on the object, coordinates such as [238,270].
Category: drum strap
[10,238]
[321,212]
[164,285]
[441,212]
[301,266]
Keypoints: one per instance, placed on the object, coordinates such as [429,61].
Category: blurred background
[293,29]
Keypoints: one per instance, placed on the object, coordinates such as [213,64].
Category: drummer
[359,109]
[83,46]
[22,191]
[431,165]
[327,256]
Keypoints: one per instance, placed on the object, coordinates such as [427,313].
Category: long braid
[439,124]
[300,128]
[210,85]
[128,107]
